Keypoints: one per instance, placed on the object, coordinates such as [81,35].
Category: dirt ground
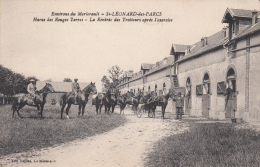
[126,145]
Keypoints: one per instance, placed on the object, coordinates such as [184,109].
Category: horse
[107,101]
[131,99]
[98,103]
[121,102]
[82,96]
[163,101]
[113,101]
[22,99]
[147,103]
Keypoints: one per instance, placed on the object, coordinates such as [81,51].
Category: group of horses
[22,99]
[109,100]
[148,101]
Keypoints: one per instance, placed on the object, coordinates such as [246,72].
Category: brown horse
[98,103]
[163,101]
[147,103]
[22,99]
[82,96]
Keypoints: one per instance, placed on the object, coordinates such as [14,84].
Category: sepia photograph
[131,83]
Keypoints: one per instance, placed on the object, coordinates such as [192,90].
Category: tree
[29,78]
[105,82]
[115,73]
[67,80]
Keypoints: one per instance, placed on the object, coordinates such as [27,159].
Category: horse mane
[43,90]
[86,89]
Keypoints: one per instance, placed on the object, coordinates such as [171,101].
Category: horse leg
[163,111]
[19,107]
[14,108]
[42,106]
[79,110]
[100,107]
[83,109]
[62,109]
[67,110]
[113,107]
[38,107]
[97,109]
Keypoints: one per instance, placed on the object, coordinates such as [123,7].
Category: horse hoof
[68,117]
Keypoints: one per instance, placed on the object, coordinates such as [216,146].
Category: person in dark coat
[179,105]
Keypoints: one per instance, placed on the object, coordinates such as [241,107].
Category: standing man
[179,105]
[75,89]
[31,88]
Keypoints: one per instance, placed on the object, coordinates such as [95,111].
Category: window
[206,84]
[221,88]
[188,87]
[164,87]
[199,89]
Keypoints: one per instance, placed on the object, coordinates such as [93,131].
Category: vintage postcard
[129,83]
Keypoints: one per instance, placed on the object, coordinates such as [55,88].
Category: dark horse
[22,99]
[114,100]
[98,102]
[107,101]
[163,101]
[121,102]
[82,96]
[131,99]
[147,103]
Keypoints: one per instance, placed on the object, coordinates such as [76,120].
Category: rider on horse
[31,88]
[75,89]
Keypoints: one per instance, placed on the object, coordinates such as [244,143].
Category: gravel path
[126,145]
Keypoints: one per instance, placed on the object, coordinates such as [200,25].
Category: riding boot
[76,101]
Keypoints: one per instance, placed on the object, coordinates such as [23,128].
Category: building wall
[57,97]
[211,63]
[216,64]
[254,91]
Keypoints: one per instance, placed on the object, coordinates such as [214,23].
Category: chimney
[202,41]
[254,17]
[188,49]
[205,41]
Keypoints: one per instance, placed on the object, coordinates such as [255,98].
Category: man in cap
[179,105]
[31,88]
[75,89]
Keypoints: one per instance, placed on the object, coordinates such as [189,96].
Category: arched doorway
[206,95]
[164,89]
[188,97]
[231,94]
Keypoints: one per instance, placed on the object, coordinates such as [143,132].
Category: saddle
[30,99]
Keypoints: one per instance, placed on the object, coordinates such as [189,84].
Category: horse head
[47,88]
[91,88]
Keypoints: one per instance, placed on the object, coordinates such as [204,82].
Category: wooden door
[205,104]
[187,105]
[231,104]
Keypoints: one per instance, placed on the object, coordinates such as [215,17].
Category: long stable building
[219,72]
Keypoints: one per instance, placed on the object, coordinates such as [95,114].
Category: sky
[86,50]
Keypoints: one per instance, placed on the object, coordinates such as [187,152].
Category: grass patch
[208,145]
[18,135]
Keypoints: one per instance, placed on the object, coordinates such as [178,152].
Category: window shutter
[221,87]
[199,89]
